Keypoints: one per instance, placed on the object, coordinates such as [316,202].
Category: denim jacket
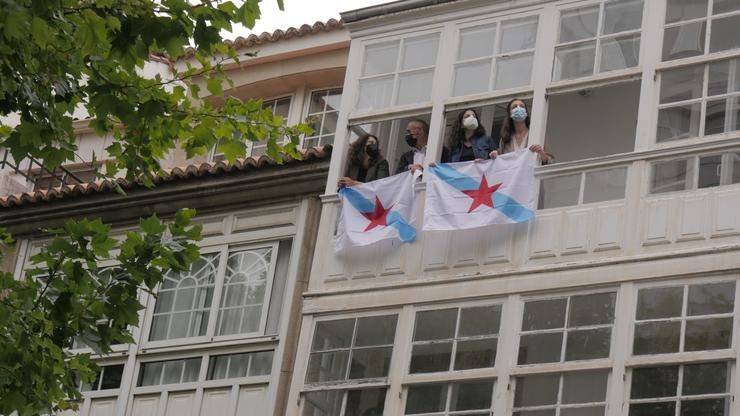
[482,146]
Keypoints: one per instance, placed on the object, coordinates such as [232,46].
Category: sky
[299,12]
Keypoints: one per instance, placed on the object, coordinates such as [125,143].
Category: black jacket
[376,171]
[407,159]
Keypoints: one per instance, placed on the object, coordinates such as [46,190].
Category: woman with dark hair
[468,139]
[515,132]
[366,163]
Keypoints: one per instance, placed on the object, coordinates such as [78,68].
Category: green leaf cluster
[93,55]
[84,286]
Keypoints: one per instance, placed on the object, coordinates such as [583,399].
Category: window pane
[574,61]
[545,412]
[669,176]
[684,41]
[656,337]
[426,399]
[680,10]
[380,59]
[518,35]
[588,344]
[705,378]
[583,411]
[475,354]
[261,363]
[659,302]
[584,387]
[481,320]
[719,74]
[708,407]
[471,78]
[375,93]
[333,334]
[540,348]
[714,121]
[560,191]
[370,362]
[725,34]
[709,171]
[192,370]
[329,366]
[419,52]
[711,298]
[681,84]
[653,409]
[724,6]
[239,365]
[476,42]
[428,358]
[439,324]
[619,53]
[415,87]
[539,390]
[544,314]
[514,71]
[578,24]
[367,402]
[605,185]
[651,382]
[323,403]
[621,16]
[591,309]
[708,334]
[282,107]
[471,396]
[735,164]
[150,374]
[679,122]
[375,330]
[111,378]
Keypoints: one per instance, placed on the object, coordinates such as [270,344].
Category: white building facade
[620,298]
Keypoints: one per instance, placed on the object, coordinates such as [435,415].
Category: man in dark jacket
[417,136]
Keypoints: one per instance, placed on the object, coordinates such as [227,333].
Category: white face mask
[470,123]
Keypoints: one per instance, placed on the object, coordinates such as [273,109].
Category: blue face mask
[519,114]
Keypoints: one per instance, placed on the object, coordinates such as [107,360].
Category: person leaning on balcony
[468,139]
[366,163]
[417,136]
[515,133]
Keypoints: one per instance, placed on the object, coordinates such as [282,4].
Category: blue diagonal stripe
[453,177]
[512,209]
[406,232]
[358,201]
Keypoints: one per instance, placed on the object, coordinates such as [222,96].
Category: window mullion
[494,57]
[684,308]
[268,287]
[597,40]
[703,106]
[217,292]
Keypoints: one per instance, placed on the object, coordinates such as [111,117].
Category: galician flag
[377,210]
[475,194]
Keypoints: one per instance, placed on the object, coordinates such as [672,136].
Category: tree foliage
[60,56]
[83,287]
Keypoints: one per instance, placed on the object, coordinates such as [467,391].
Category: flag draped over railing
[475,194]
[377,210]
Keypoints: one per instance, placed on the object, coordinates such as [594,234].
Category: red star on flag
[378,217]
[482,195]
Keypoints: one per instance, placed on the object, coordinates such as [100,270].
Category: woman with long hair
[515,132]
[468,139]
[365,162]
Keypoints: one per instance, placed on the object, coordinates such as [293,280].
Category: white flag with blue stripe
[475,194]
[377,210]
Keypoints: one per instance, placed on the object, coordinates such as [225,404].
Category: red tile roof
[178,173]
[266,37]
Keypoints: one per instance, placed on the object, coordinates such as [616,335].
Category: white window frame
[582,186]
[291,98]
[347,385]
[692,173]
[401,38]
[702,101]
[496,21]
[211,334]
[307,109]
[598,39]
[707,19]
